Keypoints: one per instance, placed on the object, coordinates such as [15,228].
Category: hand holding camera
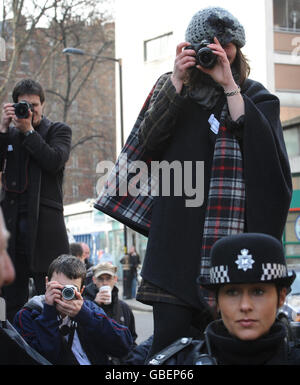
[209,57]
[8,113]
[185,59]
[69,307]
[216,61]
[53,292]
[204,55]
[21,115]
[66,298]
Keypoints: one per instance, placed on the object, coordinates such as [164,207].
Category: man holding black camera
[33,154]
[66,329]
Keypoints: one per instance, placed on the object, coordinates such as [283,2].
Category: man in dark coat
[33,153]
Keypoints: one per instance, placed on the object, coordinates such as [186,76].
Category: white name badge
[10,148]
[214,124]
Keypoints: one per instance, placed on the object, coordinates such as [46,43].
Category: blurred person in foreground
[66,329]
[250,280]
[13,349]
[7,272]
[33,154]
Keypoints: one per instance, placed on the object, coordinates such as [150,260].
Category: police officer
[250,280]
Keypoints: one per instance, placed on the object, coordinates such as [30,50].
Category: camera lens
[206,58]
[22,110]
[68,293]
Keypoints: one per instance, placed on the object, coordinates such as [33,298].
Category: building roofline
[291,123]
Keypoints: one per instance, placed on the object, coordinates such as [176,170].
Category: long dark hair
[240,65]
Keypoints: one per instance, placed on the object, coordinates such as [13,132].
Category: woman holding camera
[226,129]
[231,123]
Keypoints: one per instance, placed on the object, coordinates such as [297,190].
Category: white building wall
[140,20]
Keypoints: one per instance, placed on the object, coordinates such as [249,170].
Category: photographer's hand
[24,125]
[8,113]
[53,292]
[70,308]
[221,72]
[185,59]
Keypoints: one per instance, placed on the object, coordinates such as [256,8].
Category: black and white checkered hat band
[219,274]
[273,271]
[270,271]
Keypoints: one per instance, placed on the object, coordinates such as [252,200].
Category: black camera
[204,55]
[68,292]
[22,109]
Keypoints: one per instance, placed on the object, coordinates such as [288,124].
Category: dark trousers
[17,293]
[171,322]
[127,279]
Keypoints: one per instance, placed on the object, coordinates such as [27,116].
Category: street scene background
[98,59]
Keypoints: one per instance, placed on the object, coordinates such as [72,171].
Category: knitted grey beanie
[215,21]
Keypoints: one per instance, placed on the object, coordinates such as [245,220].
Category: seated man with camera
[33,154]
[66,329]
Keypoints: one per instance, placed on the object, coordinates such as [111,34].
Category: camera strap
[68,329]
[71,337]
[170,351]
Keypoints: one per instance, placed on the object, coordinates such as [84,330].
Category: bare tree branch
[85,139]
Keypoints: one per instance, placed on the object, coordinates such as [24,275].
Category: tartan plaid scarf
[225,212]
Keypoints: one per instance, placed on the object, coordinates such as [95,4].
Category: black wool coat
[172,260]
[174,127]
[46,152]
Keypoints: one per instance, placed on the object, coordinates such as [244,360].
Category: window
[292,141]
[158,48]
[287,15]
[287,77]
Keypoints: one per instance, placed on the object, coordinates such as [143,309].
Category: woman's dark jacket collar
[271,349]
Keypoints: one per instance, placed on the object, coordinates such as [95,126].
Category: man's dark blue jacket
[100,336]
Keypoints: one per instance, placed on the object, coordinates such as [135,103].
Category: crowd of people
[214,274]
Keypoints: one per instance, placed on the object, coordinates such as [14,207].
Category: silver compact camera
[68,292]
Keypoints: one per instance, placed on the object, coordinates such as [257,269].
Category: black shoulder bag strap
[165,354]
